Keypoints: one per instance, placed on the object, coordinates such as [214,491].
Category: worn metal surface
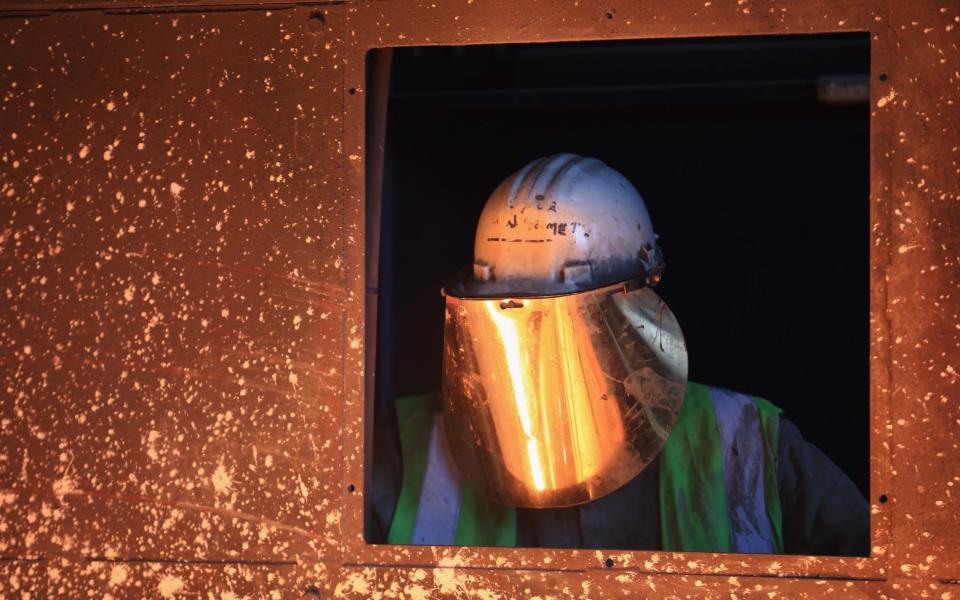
[182,336]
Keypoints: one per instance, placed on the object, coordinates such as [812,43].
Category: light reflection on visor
[560,400]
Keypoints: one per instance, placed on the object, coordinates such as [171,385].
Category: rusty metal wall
[182,337]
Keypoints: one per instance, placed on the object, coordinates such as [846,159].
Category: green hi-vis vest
[718,480]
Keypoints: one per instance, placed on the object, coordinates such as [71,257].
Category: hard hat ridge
[539,178]
[561,224]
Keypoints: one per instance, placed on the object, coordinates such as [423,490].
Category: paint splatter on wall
[174,275]
[181,344]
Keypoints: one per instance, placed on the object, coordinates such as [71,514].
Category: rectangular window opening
[752,158]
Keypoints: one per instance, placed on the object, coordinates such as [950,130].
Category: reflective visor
[556,401]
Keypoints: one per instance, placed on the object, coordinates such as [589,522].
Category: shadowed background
[752,155]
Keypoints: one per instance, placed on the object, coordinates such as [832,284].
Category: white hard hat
[562,224]
[563,372]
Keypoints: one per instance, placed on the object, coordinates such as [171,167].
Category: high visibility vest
[717,480]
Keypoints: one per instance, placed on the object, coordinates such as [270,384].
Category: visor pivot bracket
[577,273]
[511,304]
[482,272]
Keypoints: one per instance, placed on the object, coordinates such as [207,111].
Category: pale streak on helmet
[562,224]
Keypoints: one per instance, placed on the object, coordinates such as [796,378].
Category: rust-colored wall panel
[500,585]
[71,579]
[237,581]
[182,346]
[46,7]
[174,281]
[924,279]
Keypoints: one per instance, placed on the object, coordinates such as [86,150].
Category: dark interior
[752,155]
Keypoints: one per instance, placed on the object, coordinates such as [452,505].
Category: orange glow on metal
[514,360]
[587,453]
[537,387]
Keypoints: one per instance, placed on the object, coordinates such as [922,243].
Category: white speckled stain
[152,438]
[169,586]
[887,99]
[355,583]
[118,574]
[417,592]
[333,517]
[221,478]
[66,484]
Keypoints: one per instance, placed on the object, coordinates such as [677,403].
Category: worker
[565,417]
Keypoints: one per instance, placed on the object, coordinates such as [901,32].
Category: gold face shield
[556,401]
